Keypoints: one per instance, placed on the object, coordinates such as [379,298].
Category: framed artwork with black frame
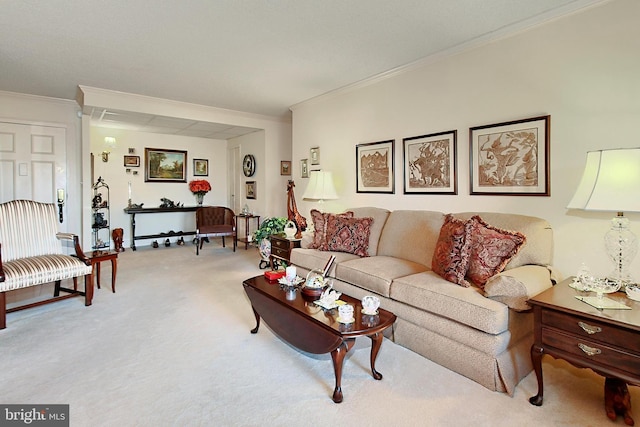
[200,167]
[162,165]
[374,167]
[429,163]
[251,189]
[510,158]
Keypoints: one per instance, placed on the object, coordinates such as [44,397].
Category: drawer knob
[589,329]
[591,351]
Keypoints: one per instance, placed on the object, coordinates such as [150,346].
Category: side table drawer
[282,244]
[279,252]
[594,352]
[592,330]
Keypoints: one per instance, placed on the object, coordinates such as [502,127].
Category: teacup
[370,304]
[345,313]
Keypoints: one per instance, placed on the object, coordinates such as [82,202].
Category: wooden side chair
[32,253]
[215,221]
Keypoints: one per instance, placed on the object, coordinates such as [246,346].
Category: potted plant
[269,226]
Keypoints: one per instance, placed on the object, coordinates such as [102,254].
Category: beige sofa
[484,335]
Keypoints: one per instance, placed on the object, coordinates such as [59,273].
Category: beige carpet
[172,348]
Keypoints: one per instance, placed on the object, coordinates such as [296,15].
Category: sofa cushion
[491,249]
[430,292]
[315,259]
[349,235]
[411,235]
[539,247]
[451,255]
[516,286]
[379,220]
[320,228]
[376,273]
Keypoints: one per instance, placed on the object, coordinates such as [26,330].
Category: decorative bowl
[633,292]
[312,292]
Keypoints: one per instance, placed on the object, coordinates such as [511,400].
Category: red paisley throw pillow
[451,255]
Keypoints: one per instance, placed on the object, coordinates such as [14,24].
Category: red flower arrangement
[200,186]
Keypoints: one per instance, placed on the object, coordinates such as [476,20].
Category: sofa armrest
[76,244]
[514,287]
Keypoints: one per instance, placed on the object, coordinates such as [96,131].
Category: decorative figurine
[117,235]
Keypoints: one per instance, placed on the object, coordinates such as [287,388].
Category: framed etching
[304,168]
[132,161]
[200,167]
[161,165]
[510,158]
[285,167]
[374,167]
[429,163]
[251,189]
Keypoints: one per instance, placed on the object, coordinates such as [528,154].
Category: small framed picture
[285,167]
[132,161]
[251,189]
[314,153]
[200,167]
[304,168]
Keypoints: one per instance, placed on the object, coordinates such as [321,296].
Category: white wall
[114,174]
[582,69]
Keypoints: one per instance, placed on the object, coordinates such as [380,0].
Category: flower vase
[199,198]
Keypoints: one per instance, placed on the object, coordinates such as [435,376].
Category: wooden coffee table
[604,340]
[297,320]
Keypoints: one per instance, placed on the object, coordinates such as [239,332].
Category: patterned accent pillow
[349,235]
[491,250]
[451,255]
[320,226]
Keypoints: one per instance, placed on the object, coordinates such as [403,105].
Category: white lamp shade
[610,182]
[320,187]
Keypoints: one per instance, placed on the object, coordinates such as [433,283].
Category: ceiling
[254,56]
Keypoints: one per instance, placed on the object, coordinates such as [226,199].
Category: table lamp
[611,182]
[320,187]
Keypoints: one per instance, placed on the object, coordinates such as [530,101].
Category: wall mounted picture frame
[510,158]
[374,167]
[251,189]
[285,167]
[200,167]
[314,154]
[429,163]
[304,168]
[163,165]
[132,161]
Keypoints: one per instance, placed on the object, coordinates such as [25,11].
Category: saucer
[369,313]
[341,320]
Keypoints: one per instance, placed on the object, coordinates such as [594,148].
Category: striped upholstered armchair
[31,253]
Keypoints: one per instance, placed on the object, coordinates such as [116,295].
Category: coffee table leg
[255,313]
[338,358]
[536,359]
[376,343]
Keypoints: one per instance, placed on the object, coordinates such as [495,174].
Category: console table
[134,211]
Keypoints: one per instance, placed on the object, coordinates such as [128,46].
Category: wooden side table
[96,257]
[246,217]
[281,248]
[604,340]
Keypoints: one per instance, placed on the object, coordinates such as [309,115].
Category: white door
[32,163]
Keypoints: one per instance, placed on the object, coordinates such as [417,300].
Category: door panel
[32,162]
